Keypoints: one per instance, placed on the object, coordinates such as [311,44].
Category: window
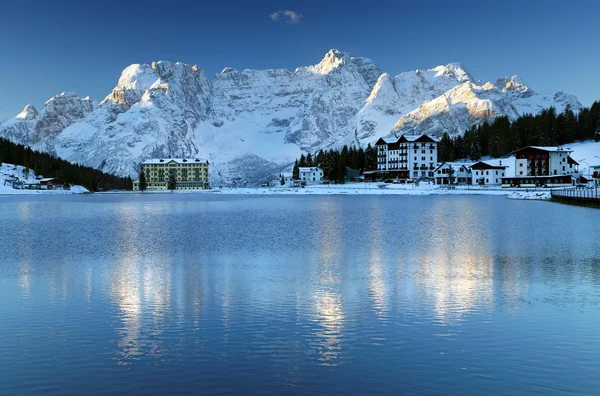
[487,180]
[487,172]
[521,164]
[496,172]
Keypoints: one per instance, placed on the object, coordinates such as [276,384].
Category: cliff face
[252,123]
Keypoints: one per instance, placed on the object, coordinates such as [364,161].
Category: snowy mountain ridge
[254,123]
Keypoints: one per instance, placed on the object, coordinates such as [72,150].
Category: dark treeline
[336,162]
[49,166]
[502,136]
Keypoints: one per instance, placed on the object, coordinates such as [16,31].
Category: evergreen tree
[296,171]
[302,162]
[282,180]
[450,174]
[172,183]
[309,161]
[143,185]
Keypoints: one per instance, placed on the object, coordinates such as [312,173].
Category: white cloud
[291,16]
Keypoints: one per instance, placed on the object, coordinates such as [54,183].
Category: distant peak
[513,84]
[28,112]
[335,54]
[228,70]
[332,60]
[454,69]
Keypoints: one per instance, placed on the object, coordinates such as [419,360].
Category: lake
[210,294]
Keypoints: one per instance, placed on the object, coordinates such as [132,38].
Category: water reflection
[125,285]
[328,310]
[375,241]
[456,273]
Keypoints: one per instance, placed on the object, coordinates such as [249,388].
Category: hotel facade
[188,173]
[543,166]
[407,157]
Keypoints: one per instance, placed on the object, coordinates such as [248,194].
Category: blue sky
[47,47]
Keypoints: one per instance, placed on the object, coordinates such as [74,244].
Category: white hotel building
[407,157]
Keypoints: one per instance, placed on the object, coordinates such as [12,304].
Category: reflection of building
[542,166]
[406,157]
[188,174]
[453,173]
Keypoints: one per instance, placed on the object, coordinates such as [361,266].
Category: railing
[584,196]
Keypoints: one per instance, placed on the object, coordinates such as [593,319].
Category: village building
[460,174]
[51,183]
[542,166]
[287,177]
[311,174]
[484,173]
[188,173]
[407,157]
[595,171]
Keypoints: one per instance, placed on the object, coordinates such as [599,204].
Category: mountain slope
[253,123]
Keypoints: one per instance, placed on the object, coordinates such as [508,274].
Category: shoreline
[367,189]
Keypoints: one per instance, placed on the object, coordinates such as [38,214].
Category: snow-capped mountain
[33,127]
[254,123]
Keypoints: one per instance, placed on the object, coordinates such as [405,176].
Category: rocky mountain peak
[515,85]
[254,123]
[28,113]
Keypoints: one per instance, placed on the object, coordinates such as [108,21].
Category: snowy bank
[387,189]
[18,172]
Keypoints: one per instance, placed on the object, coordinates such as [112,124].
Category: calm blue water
[202,293]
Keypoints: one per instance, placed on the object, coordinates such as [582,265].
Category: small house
[453,173]
[311,174]
[51,183]
[486,174]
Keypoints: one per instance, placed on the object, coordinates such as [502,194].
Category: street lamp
[589,169]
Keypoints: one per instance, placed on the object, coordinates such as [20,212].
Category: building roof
[308,168]
[487,165]
[419,138]
[176,160]
[406,138]
[550,149]
[455,165]
[286,174]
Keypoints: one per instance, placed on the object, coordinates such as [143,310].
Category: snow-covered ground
[388,189]
[9,171]
[586,153]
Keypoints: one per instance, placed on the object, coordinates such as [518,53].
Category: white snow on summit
[250,124]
